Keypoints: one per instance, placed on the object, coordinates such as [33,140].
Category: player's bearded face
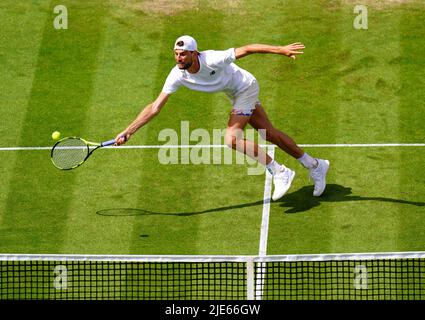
[184,59]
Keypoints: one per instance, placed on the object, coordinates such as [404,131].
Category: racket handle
[108,143]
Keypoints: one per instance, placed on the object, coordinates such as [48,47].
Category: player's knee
[230,140]
[233,137]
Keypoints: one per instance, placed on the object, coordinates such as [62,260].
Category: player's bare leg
[235,140]
[318,167]
[282,176]
[260,120]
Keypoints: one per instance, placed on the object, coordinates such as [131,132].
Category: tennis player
[215,71]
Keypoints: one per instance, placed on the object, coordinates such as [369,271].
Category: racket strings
[69,153]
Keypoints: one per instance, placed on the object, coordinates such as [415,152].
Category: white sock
[307,161]
[273,167]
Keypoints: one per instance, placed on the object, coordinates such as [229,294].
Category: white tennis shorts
[244,103]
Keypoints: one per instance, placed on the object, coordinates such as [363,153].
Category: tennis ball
[56,135]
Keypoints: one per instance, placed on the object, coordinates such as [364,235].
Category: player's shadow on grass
[302,199]
[297,201]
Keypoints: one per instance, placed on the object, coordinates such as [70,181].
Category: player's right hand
[122,138]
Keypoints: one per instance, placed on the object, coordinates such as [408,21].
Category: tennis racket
[71,152]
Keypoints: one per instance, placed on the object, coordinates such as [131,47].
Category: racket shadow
[126,212]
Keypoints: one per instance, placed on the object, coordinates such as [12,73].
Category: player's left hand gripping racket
[71,152]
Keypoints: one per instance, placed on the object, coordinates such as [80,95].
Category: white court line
[337,145]
[266,208]
[362,145]
[264,228]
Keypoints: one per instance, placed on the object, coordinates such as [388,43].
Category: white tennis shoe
[282,182]
[319,176]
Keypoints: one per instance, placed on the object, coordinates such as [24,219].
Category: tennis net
[371,276]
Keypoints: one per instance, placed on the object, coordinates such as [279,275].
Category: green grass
[350,86]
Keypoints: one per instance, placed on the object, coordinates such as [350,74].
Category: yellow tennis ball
[56,135]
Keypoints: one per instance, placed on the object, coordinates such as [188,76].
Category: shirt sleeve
[219,58]
[172,83]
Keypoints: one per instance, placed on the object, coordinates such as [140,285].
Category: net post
[250,278]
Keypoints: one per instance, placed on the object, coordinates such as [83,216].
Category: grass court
[350,87]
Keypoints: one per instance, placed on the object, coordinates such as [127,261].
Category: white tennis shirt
[217,73]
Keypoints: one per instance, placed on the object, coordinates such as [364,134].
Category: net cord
[211,258]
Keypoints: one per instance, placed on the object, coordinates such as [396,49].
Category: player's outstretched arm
[147,114]
[290,50]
